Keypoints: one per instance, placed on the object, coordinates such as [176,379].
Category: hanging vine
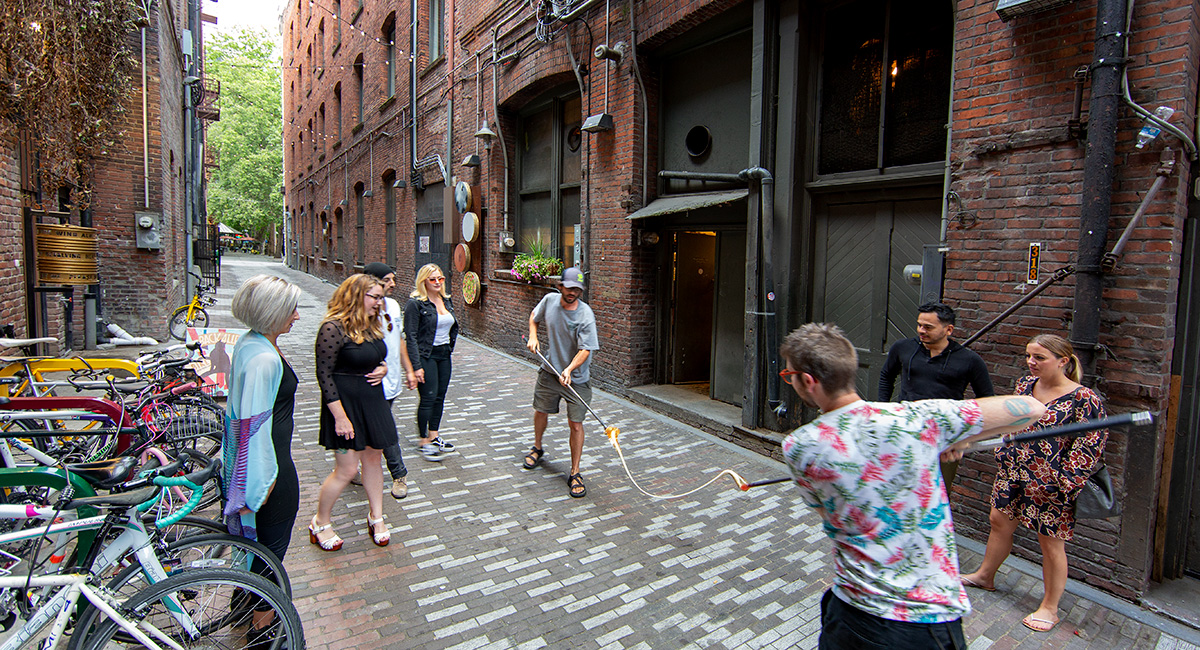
[66,68]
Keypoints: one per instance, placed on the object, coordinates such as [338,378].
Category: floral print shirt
[870,469]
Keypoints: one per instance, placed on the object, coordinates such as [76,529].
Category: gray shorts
[548,391]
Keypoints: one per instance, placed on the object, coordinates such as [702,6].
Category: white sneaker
[432,452]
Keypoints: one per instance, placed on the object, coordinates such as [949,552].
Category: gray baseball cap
[573,277]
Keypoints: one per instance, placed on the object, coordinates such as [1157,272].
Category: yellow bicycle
[191,314]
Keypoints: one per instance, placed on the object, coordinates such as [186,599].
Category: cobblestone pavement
[485,554]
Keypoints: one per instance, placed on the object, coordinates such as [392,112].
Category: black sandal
[575,482]
[533,458]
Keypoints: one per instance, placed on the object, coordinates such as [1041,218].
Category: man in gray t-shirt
[571,336]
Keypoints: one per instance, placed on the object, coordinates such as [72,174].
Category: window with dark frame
[337,109]
[337,23]
[389,218]
[341,242]
[437,35]
[548,169]
[360,224]
[885,86]
[389,42]
[359,73]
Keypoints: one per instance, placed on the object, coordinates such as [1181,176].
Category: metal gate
[206,253]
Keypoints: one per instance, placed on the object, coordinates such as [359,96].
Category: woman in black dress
[356,420]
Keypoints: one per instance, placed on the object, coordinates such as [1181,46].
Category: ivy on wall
[66,67]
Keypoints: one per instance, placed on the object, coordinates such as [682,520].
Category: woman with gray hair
[262,490]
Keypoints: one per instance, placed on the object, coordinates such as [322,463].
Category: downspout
[637,72]
[1098,172]
[499,133]
[586,217]
[412,96]
[145,127]
[766,299]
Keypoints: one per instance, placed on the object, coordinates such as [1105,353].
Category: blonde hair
[346,307]
[265,303]
[422,275]
[823,351]
[1061,349]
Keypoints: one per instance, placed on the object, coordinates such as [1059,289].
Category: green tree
[248,139]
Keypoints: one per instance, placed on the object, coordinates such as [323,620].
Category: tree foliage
[66,66]
[248,139]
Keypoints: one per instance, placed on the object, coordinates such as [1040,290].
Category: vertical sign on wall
[1035,256]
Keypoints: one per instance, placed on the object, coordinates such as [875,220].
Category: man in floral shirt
[870,469]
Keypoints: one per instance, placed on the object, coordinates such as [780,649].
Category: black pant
[394,458]
[844,627]
[276,538]
[433,391]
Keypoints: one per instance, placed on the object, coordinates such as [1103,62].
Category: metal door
[729,362]
[694,290]
[862,249]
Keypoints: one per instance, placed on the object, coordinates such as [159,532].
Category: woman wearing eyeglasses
[430,331]
[356,421]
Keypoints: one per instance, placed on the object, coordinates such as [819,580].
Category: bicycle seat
[20,343]
[115,499]
[105,473]
[129,388]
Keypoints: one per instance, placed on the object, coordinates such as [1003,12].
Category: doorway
[863,244]
[707,302]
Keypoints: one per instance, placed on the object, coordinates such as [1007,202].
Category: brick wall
[141,287]
[1020,181]
[12,271]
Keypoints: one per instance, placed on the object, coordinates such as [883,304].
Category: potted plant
[537,265]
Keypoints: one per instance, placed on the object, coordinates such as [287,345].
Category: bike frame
[60,607]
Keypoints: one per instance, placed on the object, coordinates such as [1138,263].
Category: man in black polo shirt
[932,366]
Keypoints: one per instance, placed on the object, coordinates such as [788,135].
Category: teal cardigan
[253,387]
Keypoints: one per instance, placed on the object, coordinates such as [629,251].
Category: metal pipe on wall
[1098,172]
[499,131]
[637,73]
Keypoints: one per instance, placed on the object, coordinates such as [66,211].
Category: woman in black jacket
[430,331]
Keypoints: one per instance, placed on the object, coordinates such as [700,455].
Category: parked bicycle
[192,314]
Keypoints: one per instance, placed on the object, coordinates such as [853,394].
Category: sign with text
[1035,257]
[217,345]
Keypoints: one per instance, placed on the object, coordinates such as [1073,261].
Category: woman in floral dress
[1037,482]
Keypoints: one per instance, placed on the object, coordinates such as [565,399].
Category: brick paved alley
[485,554]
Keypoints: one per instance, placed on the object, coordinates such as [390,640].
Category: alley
[485,554]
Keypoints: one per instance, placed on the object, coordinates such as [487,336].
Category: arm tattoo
[1017,407]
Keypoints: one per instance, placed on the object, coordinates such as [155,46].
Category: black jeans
[433,391]
[394,458]
[844,627]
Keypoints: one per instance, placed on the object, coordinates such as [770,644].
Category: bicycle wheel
[218,605]
[186,527]
[210,551]
[179,322]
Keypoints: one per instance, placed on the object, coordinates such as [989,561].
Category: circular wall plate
[470,287]
[462,196]
[470,226]
[462,258]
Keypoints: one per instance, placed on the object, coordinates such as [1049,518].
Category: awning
[685,202]
[224,230]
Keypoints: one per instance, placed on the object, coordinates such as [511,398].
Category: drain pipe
[1165,167]
[412,99]
[766,295]
[1098,172]
[637,72]
[496,61]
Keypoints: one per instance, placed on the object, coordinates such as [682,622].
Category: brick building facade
[725,171]
[140,176]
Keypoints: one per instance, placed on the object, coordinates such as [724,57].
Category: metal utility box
[146,230]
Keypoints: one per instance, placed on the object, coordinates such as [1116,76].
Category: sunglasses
[436,279]
[388,317]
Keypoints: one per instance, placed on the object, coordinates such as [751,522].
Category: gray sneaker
[400,487]
[432,452]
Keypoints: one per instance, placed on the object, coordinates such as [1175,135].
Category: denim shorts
[549,391]
[845,627]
